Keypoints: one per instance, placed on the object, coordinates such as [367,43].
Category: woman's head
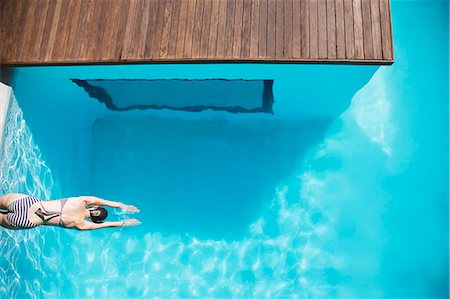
[98,214]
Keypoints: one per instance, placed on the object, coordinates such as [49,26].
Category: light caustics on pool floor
[271,263]
[282,253]
[28,257]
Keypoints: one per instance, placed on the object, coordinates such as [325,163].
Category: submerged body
[24,212]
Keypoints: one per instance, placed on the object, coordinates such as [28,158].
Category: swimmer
[24,212]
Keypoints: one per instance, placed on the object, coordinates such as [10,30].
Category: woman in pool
[23,212]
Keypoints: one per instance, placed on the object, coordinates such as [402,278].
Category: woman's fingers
[131,222]
[130,209]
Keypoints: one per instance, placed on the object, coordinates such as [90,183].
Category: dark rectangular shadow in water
[178,94]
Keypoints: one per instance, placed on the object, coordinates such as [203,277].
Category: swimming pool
[341,193]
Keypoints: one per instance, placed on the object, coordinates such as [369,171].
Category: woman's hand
[131,222]
[130,208]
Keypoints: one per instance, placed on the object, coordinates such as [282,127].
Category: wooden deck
[117,31]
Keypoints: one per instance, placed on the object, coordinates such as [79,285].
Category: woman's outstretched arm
[95,201]
[87,225]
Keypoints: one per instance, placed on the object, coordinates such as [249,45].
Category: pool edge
[5,98]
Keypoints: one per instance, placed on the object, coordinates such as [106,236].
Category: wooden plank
[349,32]
[262,29]
[367,29]
[181,28]
[165,34]
[120,32]
[143,30]
[246,29]
[173,36]
[340,29]
[152,18]
[95,38]
[53,30]
[288,29]
[304,23]
[376,29]
[134,14]
[279,29]
[46,31]
[313,29]
[358,28]
[331,29]
[386,30]
[100,41]
[296,29]
[6,21]
[3,36]
[17,35]
[237,28]
[26,39]
[271,19]
[221,27]
[39,27]
[72,31]
[212,43]
[104,40]
[322,28]
[254,31]
[197,33]
[79,31]
[157,35]
[206,27]
[229,30]
[187,52]
[85,43]
[63,30]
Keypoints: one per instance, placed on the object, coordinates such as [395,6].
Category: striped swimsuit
[18,213]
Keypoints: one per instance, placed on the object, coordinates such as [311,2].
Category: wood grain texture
[229,30]
[386,30]
[246,29]
[358,29]
[165,32]
[279,28]
[271,26]
[367,29]
[296,29]
[331,29]
[221,27]
[90,31]
[254,30]
[376,29]
[288,29]
[322,28]
[349,32]
[237,28]
[340,29]
[313,29]
[262,42]
[304,25]
[212,43]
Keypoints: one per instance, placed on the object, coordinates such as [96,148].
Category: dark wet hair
[98,214]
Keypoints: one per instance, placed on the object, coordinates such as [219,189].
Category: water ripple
[26,268]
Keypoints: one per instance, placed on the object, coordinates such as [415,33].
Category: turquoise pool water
[341,193]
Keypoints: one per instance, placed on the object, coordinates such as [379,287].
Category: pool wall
[5,95]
